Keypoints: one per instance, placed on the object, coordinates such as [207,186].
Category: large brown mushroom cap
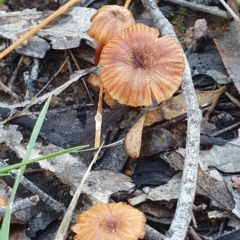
[109,21]
[138,65]
[114,221]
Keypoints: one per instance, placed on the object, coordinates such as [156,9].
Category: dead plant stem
[127,3]
[62,230]
[98,119]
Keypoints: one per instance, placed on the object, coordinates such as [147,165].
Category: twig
[57,91]
[127,3]
[14,75]
[98,119]
[193,234]
[62,230]
[78,68]
[224,130]
[232,99]
[119,142]
[74,86]
[182,217]
[8,90]
[208,9]
[152,234]
[21,204]
[28,34]
[229,10]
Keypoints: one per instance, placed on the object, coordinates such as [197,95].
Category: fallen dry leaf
[155,140]
[176,106]
[230,56]
[166,111]
[134,138]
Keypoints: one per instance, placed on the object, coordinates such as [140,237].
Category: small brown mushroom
[138,65]
[109,21]
[113,221]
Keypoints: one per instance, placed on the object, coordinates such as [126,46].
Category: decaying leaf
[165,192]
[10,135]
[207,185]
[166,111]
[229,160]
[65,32]
[230,56]
[134,138]
[155,140]
[176,106]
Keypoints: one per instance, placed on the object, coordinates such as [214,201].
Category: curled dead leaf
[134,138]
[166,111]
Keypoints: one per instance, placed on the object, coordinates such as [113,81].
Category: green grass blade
[4,233]
[6,169]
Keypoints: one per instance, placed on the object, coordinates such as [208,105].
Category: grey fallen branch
[152,234]
[208,9]
[21,204]
[182,217]
[35,190]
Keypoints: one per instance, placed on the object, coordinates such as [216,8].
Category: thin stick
[127,3]
[98,119]
[229,10]
[28,34]
[8,90]
[78,68]
[62,230]
[182,217]
[199,7]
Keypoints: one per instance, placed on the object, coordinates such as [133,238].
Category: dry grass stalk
[30,33]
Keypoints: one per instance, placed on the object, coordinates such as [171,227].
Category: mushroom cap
[138,65]
[109,21]
[113,221]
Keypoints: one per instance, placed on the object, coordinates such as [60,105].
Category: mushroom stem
[28,34]
[98,120]
[127,3]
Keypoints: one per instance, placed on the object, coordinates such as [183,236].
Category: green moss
[221,22]
[178,20]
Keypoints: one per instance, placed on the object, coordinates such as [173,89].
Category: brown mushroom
[113,221]
[138,65]
[109,21]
